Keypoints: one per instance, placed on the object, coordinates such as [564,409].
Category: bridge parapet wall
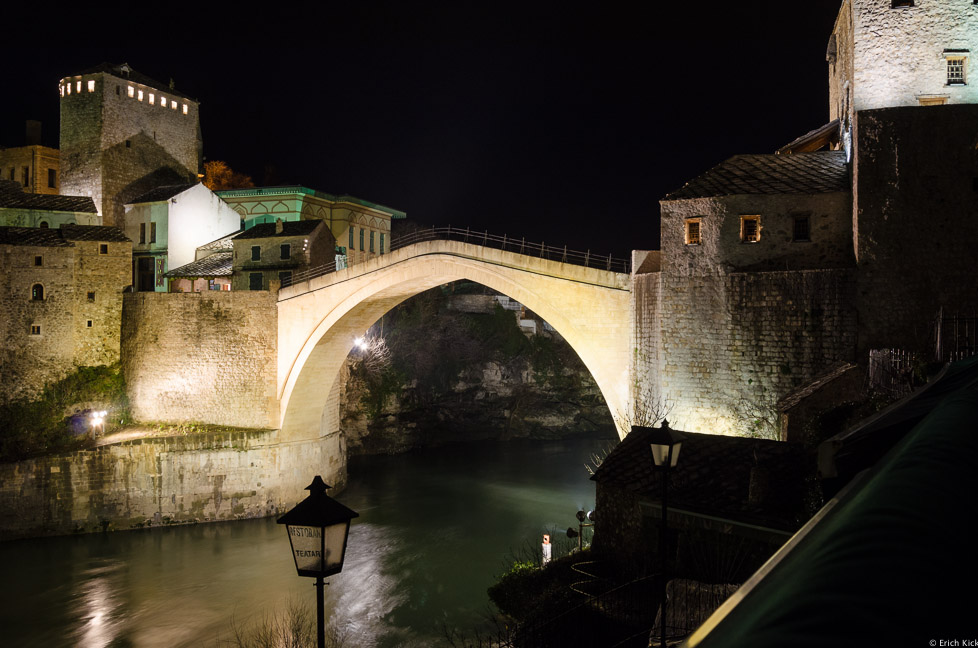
[207,357]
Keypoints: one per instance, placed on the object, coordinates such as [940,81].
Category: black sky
[564,122]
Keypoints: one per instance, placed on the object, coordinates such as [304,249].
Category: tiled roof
[36,236]
[214,265]
[800,173]
[814,139]
[289,228]
[103,233]
[124,71]
[713,477]
[12,196]
[223,243]
[162,193]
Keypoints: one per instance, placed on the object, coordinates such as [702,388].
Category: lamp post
[318,527]
[665,444]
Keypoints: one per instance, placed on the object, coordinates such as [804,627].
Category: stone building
[270,254]
[361,228]
[776,268]
[21,209]
[34,167]
[168,224]
[61,291]
[123,134]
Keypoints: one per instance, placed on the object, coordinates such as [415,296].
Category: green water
[435,528]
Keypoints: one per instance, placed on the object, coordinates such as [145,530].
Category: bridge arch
[319,319]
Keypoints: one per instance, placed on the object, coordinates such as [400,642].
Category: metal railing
[485,239]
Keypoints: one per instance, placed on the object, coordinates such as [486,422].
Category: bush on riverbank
[30,428]
[292,627]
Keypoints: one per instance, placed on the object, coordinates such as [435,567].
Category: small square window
[255,281]
[131,91]
[79,86]
[286,251]
[38,261]
[152,98]
[693,231]
[35,329]
[91,85]
[91,296]
[184,109]
[52,179]
[173,105]
[152,232]
[801,231]
[89,324]
[139,95]
[256,253]
[142,233]
[128,144]
[163,101]
[103,248]
[750,229]
[118,90]
[956,70]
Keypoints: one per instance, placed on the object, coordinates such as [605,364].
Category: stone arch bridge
[319,319]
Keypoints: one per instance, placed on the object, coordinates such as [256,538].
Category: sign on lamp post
[318,528]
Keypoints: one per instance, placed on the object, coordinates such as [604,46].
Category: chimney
[278,226]
[33,132]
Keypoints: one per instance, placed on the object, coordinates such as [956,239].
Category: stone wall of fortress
[731,345]
[162,481]
[208,357]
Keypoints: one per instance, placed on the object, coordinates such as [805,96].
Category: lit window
[37,292]
[152,232]
[38,261]
[91,85]
[131,91]
[256,253]
[152,97]
[750,229]
[173,105]
[184,109]
[955,70]
[78,87]
[91,296]
[35,329]
[801,231]
[381,242]
[286,251]
[693,231]
[103,248]
[61,89]
[139,95]
[163,101]
[255,281]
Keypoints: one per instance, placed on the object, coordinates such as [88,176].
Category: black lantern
[665,443]
[318,528]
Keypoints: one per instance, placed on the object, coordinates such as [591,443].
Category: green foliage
[30,428]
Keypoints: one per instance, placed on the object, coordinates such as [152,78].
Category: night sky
[561,122]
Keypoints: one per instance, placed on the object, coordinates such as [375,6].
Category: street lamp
[665,444]
[318,527]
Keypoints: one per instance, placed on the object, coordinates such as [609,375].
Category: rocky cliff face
[446,376]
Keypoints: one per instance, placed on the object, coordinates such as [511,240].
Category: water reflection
[435,527]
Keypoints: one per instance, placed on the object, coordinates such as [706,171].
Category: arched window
[43,225]
[37,292]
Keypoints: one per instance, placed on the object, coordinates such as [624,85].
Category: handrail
[485,239]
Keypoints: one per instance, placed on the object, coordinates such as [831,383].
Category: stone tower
[890,53]
[123,134]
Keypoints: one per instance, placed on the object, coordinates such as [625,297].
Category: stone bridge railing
[485,239]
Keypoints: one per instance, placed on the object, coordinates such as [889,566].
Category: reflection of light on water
[97,607]
[364,595]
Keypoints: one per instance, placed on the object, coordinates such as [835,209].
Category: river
[435,528]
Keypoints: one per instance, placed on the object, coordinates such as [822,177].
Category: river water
[435,528]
